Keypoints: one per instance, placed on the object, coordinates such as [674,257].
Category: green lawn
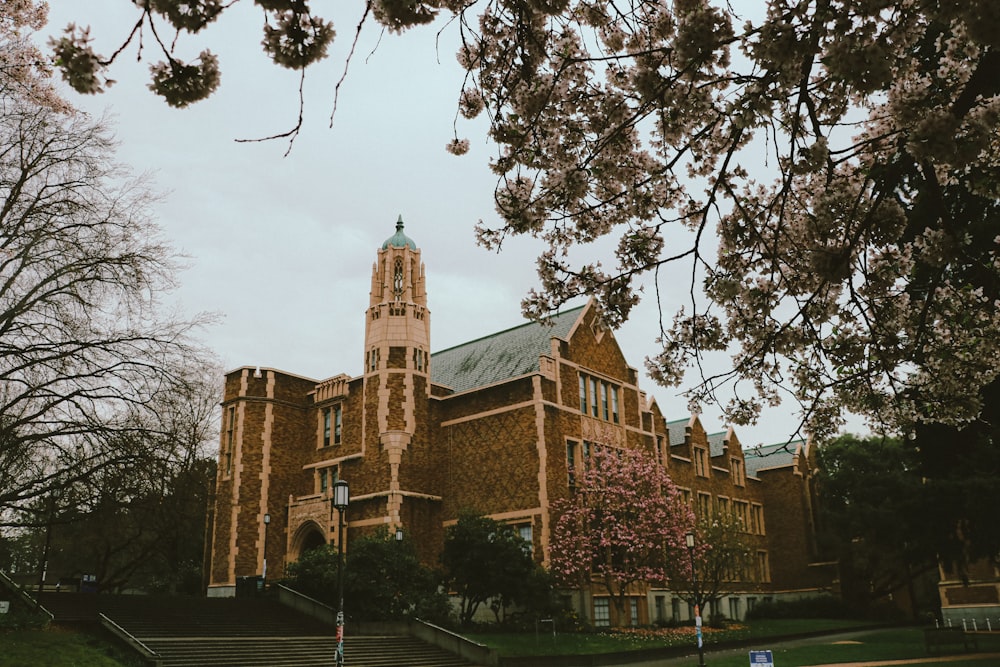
[54,647]
[874,645]
[893,644]
[515,644]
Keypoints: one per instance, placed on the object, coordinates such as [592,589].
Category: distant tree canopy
[91,366]
[889,509]
[834,163]
[103,392]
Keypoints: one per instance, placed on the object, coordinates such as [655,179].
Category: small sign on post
[761,659]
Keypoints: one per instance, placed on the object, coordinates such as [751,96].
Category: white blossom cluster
[857,258]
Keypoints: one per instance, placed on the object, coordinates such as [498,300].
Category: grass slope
[55,647]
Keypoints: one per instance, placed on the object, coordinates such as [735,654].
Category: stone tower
[397,358]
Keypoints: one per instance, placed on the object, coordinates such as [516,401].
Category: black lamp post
[689,540]
[341,499]
[267,522]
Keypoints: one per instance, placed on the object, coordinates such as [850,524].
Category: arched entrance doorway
[309,536]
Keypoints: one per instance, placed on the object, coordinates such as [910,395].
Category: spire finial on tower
[399,239]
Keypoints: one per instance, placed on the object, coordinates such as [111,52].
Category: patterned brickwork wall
[492,463]
[788,528]
[293,445]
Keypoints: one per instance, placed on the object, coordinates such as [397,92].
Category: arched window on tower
[397,279]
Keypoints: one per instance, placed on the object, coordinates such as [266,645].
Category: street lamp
[267,522]
[341,499]
[399,533]
[689,540]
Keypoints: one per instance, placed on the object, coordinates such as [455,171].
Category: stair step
[228,632]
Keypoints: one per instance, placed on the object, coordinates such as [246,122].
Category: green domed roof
[399,239]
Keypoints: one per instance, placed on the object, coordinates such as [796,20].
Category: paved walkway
[692,659]
[993,657]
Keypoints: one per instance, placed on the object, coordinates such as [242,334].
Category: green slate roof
[501,356]
[770,456]
[399,239]
[717,443]
[677,430]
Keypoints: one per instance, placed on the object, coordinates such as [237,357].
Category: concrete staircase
[300,651]
[196,632]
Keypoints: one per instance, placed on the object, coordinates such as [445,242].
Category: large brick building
[498,425]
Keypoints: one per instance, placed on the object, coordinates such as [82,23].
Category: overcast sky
[282,247]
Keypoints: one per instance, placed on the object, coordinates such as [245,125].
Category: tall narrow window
[593,397]
[524,530]
[230,438]
[583,394]
[571,464]
[324,481]
[397,279]
[604,401]
[763,567]
[739,477]
[338,422]
[326,427]
[614,404]
[700,462]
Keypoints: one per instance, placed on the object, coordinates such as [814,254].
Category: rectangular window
[598,398]
[751,603]
[602,613]
[326,427]
[571,464]
[704,509]
[685,496]
[660,454]
[739,477]
[763,567]
[742,510]
[338,423]
[723,505]
[324,481]
[734,608]
[661,612]
[700,462]
[757,518]
[586,454]
[675,609]
[633,612]
[524,530]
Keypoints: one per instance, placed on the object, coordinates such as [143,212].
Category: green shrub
[824,606]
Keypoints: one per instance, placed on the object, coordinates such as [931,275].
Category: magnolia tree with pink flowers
[625,523]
